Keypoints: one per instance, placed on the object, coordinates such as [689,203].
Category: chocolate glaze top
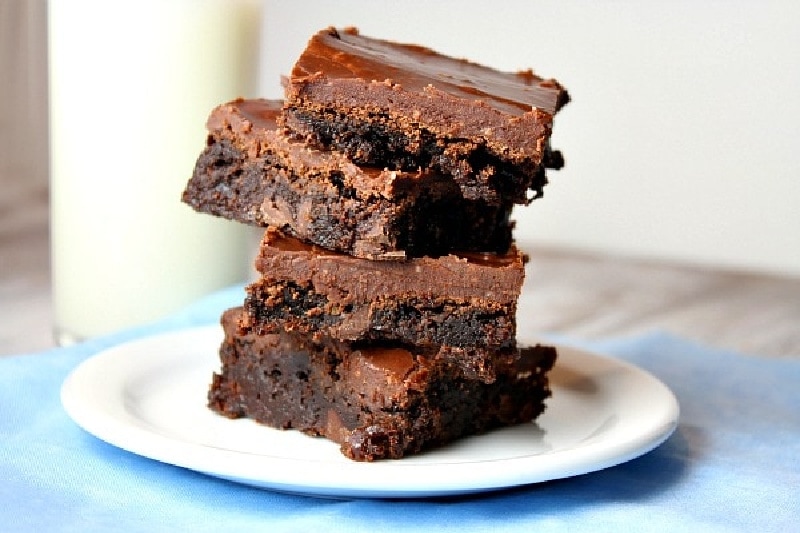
[347,54]
[492,277]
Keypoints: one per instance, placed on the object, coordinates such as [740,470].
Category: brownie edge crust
[375,401]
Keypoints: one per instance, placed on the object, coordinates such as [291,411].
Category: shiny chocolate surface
[347,54]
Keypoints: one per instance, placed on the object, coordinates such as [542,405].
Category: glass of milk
[131,85]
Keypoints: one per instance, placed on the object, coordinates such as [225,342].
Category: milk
[131,85]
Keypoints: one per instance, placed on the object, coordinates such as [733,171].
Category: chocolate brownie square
[252,173]
[376,401]
[457,299]
[407,107]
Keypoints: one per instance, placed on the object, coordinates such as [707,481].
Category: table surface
[586,296]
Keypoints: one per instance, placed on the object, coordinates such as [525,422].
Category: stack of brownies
[383,317]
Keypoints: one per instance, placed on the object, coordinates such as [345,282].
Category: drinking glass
[131,83]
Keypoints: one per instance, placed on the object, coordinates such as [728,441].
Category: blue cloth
[732,465]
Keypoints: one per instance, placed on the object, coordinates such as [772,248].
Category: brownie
[375,401]
[462,300]
[250,172]
[407,107]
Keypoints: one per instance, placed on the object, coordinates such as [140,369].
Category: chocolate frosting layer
[347,54]
[496,277]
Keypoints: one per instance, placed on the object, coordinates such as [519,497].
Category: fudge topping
[347,54]
[496,277]
[260,113]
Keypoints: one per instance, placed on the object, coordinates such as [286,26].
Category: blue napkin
[732,465]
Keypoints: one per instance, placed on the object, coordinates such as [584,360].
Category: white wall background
[682,137]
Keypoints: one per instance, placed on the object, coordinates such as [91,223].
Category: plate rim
[451,477]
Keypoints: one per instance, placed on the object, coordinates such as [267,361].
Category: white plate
[149,397]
